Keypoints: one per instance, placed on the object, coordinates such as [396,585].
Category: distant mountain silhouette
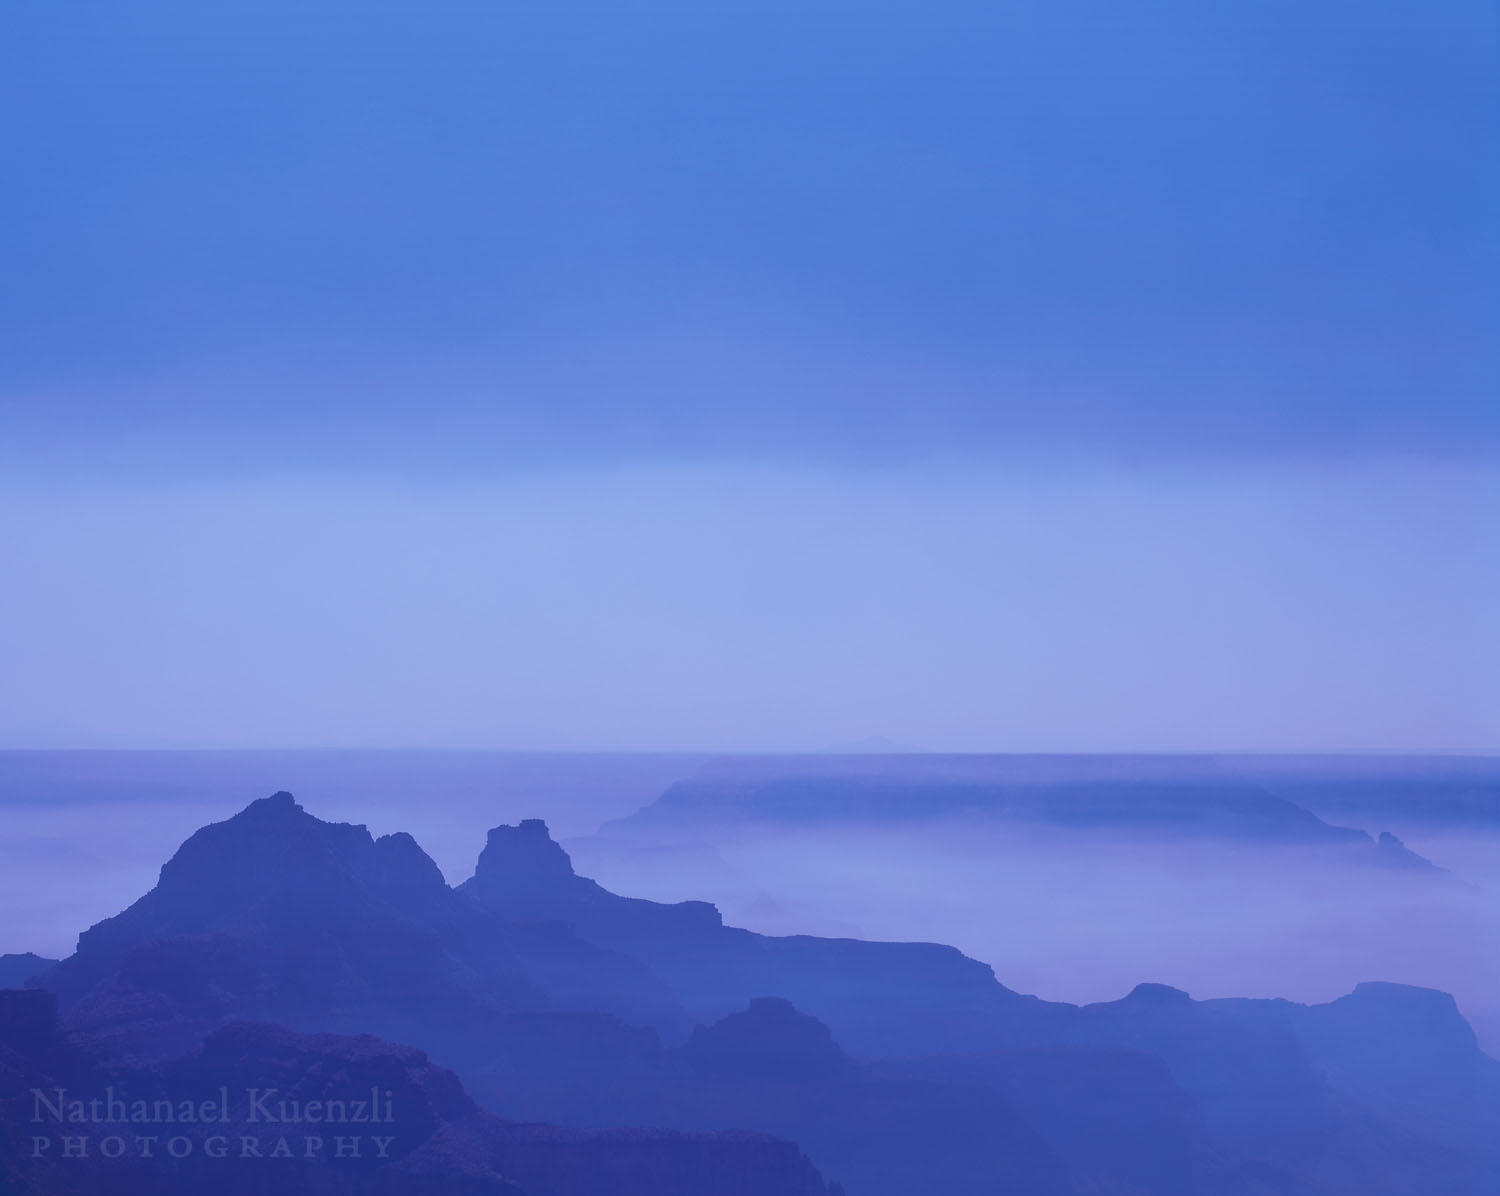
[724,797]
[896,1067]
[1443,792]
[1390,851]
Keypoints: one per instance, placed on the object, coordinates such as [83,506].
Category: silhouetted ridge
[274,845]
[274,915]
[1401,1016]
[523,873]
[405,866]
[1202,807]
[1158,994]
[769,1068]
[526,850]
[416,1129]
[1394,853]
[548,991]
[888,998]
[16,970]
[768,1038]
[269,863]
[1409,1055]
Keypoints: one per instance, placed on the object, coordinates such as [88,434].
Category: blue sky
[942,262]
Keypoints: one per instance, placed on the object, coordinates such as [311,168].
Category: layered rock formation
[895,1067]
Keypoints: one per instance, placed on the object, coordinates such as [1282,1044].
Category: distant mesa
[1159,994]
[852,792]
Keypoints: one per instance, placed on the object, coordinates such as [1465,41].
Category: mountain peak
[1407,1020]
[280,807]
[1158,994]
[1393,852]
[526,850]
[769,1038]
[266,865]
[270,837]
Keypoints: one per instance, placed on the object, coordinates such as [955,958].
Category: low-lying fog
[1068,915]
[1084,916]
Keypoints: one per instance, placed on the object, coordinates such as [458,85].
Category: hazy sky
[1051,375]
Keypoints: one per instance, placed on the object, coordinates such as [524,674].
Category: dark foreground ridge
[893,1067]
[16,970]
[271,1110]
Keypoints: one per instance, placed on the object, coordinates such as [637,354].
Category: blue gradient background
[1048,376]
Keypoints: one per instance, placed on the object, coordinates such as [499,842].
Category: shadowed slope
[278,916]
[880,998]
[414,1130]
[1257,1073]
